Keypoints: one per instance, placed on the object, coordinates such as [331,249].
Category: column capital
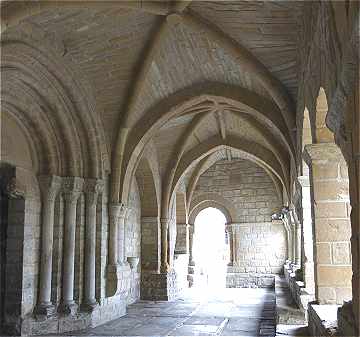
[93,186]
[304,181]
[49,186]
[322,151]
[164,220]
[123,211]
[72,184]
[229,227]
[72,187]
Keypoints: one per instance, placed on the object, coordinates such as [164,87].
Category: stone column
[72,188]
[114,210]
[307,233]
[92,189]
[297,239]
[332,229]
[118,270]
[164,268]
[229,230]
[150,244]
[191,245]
[191,267]
[182,238]
[49,186]
[121,223]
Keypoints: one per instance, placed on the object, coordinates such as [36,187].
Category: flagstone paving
[230,312]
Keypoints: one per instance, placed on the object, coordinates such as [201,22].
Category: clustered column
[71,188]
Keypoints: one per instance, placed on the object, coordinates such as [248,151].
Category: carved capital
[72,187]
[229,228]
[92,188]
[304,181]
[123,211]
[49,186]
[72,184]
[114,210]
[322,152]
[14,190]
[164,222]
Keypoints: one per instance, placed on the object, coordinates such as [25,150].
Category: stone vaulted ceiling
[186,78]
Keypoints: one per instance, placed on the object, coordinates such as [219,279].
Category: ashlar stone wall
[258,244]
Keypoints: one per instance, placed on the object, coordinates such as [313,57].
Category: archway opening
[211,249]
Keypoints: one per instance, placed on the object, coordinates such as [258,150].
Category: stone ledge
[298,292]
[110,309]
[322,319]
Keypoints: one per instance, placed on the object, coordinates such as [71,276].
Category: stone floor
[230,312]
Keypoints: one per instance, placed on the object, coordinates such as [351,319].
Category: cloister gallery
[123,121]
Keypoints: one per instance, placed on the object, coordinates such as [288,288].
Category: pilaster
[332,229]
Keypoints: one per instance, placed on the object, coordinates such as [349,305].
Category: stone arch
[55,102]
[182,103]
[253,152]
[212,200]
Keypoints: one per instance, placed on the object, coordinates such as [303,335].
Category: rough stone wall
[133,240]
[260,246]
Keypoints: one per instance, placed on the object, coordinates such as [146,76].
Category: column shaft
[49,187]
[307,234]
[72,189]
[164,245]
[113,233]
[121,235]
[191,245]
[229,230]
[92,189]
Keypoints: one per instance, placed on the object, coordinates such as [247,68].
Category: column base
[118,279]
[68,308]
[89,307]
[45,309]
[159,286]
